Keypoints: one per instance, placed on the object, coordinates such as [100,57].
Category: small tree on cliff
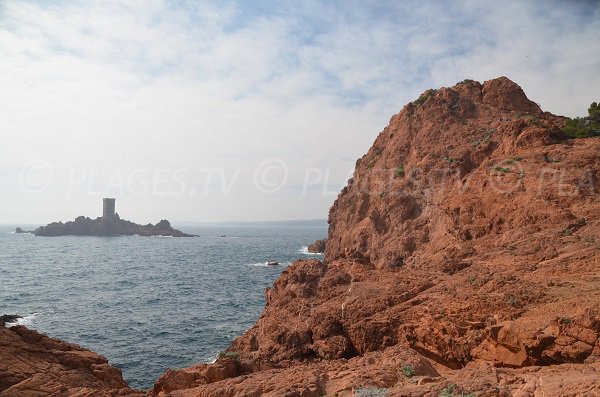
[583,127]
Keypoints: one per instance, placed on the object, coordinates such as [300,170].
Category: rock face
[111,226]
[467,240]
[318,247]
[32,365]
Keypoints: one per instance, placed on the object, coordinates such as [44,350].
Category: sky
[247,110]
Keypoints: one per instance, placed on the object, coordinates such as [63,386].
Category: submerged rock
[9,318]
[21,231]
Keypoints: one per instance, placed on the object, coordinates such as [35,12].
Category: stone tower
[108,207]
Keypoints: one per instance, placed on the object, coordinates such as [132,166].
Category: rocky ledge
[32,364]
[318,247]
[462,258]
[108,226]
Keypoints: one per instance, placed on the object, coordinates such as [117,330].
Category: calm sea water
[148,303]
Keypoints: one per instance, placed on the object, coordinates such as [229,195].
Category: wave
[304,251]
[265,264]
[27,320]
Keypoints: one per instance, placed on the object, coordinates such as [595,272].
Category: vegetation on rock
[584,127]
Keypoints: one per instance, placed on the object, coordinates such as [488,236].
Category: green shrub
[584,127]
[450,160]
[565,321]
[512,160]
[408,371]
[487,135]
[449,392]
[424,96]
[467,81]
[502,169]
[399,171]
[233,355]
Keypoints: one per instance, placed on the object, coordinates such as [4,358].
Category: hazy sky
[247,110]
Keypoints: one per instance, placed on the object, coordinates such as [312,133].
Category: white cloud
[103,89]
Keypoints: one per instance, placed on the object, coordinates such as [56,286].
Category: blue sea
[149,303]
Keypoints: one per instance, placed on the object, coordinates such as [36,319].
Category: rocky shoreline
[462,258]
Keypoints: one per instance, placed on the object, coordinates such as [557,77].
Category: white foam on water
[27,320]
[304,251]
[265,264]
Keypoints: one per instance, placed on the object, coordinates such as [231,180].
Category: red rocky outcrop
[317,247]
[31,365]
[467,236]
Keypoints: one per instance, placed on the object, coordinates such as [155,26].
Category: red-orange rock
[317,247]
[467,234]
[31,364]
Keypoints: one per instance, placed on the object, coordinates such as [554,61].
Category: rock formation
[32,364]
[463,255]
[9,318]
[462,259]
[108,226]
[318,247]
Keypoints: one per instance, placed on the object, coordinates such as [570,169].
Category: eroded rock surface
[317,247]
[468,238]
[32,365]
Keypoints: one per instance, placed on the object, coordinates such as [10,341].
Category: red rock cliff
[467,239]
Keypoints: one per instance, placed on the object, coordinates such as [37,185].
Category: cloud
[98,89]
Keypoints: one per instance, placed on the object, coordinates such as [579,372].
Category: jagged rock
[457,239]
[318,247]
[31,364]
[9,318]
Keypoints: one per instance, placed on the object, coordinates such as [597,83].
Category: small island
[110,224]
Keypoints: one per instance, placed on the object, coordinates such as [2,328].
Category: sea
[149,303]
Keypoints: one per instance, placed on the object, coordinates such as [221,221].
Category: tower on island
[108,208]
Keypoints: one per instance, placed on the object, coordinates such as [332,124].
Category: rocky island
[110,224]
[462,259]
